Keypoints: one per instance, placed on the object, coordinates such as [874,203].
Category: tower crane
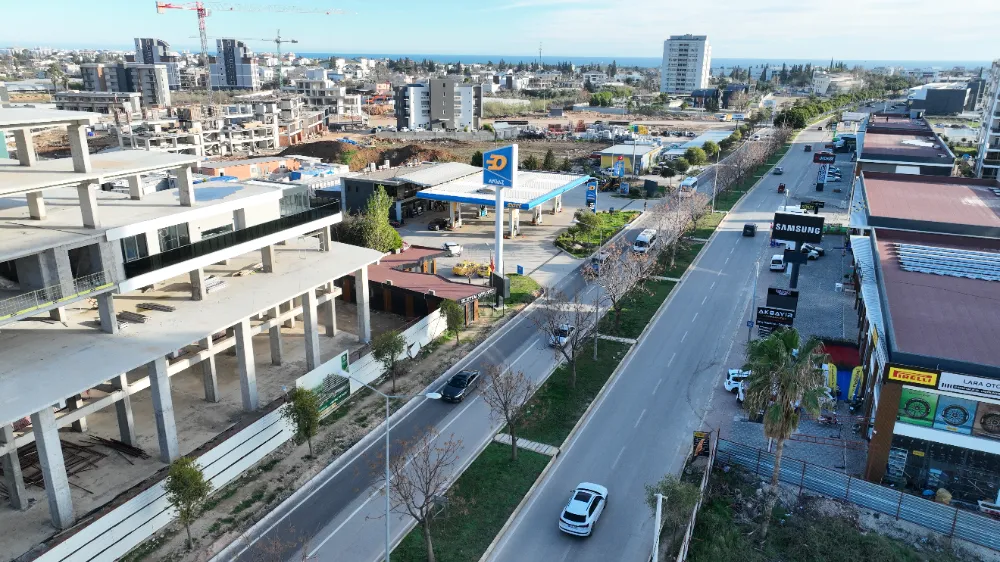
[204,9]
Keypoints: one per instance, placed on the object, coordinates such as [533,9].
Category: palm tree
[787,377]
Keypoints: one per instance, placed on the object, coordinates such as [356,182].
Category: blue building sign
[499,166]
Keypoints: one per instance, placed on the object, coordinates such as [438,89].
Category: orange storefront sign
[913,376]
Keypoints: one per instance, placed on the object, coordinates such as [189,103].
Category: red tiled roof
[422,283]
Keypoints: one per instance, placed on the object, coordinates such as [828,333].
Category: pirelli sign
[917,377]
[797,228]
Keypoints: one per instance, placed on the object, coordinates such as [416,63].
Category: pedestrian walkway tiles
[542,448]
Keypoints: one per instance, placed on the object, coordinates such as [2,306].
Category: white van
[645,241]
[778,262]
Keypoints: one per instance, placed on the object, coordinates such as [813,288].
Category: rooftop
[390,174]
[937,317]
[423,283]
[439,173]
[533,189]
[923,148]
[932,204]
[30,117]
[629,149]
[897,122]
[45,174]
[215,164]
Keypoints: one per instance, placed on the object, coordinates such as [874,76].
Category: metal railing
[46,296]
[154,262]
[944,519]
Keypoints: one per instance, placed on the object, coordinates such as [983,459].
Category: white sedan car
[584,509]
[454,249]
[561,335]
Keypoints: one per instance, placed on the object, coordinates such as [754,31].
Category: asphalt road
[643,426]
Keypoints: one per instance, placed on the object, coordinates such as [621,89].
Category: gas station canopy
[533,189]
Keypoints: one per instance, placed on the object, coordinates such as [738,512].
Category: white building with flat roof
[988,158]
[687,64]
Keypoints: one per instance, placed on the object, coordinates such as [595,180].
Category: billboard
[797,228]
[955,414]
[770,319]
[787,299]
[824,158]
[913,376]
[500,166]
[966,384]
[987,422]
[330,382]
[917,407]
[592,196]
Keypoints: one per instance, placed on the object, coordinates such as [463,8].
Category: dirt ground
[54,143]
[236,507]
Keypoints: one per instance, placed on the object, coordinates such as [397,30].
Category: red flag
[493,267]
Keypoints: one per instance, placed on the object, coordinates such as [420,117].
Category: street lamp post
[753,302]
[715,179]
[388,397]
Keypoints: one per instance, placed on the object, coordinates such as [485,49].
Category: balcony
[201,248]
[39,300]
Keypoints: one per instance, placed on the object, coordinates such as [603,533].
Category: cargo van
[689,184]
[645,241]
[778,262]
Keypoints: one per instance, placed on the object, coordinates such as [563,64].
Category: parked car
[778,170]
[833,178]
[483,270]
[439,224]
[454,249]
[806,248]
[584,508]
[733,379]
[460,385]
[561,335]
[463,268]
[404,130]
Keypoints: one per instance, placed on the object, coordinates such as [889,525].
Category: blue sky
[845,29]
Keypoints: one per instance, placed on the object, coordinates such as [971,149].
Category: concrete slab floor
[197,421]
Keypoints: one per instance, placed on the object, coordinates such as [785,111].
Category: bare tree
[616,275]
[565,320]
[670,222]
[419,475]
[507,394]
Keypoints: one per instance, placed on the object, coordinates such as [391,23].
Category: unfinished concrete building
[119,313]
[223,130]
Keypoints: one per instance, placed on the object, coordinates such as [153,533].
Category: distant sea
[717,63]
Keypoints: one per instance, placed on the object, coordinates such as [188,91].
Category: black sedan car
[439,224]
[460,385]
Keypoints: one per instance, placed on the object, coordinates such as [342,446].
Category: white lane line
[684,337]
[657,387]
[640,418]
[733,249]
[727,260]
[704,299]
[712,287]
[695,317]
[618,458]
[672,358]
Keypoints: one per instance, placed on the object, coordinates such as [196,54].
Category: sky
[799,29]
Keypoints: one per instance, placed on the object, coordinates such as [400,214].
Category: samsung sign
[797,228]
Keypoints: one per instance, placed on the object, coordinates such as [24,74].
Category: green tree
[454,315]
[477,159]
[549,162]
[565,166]
[737,136]
[530,163]
[668,172]
[303,412]
[487,127]
[695,156]
[710,148]
[55,74]
[678,500]
[186,489]
[386,349]
[786,378]
[711,105]
[680,164]
[375,230]
[685,105]
[725,144]
[587,221]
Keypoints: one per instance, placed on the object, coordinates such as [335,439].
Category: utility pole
[753,302]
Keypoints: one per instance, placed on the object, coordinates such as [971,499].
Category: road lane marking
[727,260]
[657,387]
[733,249]
[640,418]
[695,316]
[712,287]
[704,299]
[672,358]
[618,458]
[684,337]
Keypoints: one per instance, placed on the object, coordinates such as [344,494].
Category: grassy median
[637,309]
[686,255]
[581,244]
[523,289]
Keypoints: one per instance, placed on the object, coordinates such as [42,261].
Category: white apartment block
[131,314]
[234,66]
[439,104]
[150,80]
[125,103]
[157,51]
[325,94]
[687,64]
[988,161]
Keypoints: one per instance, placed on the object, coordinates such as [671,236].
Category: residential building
[441,103]
[687,63]
[150,80]
[157,51]
[254,168]
[234,66]
[926,262]
[902,144]
[825,84]
[701,96]
[940,98]
[595,78]
[142,294]
[125,103]
[988,159]
[326,95]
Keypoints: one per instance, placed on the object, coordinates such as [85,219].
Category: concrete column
[12,477]
[451,215]
[88,204]
[267,258]
[106,310]
[59,314]
[515,219]
[361,295]
[185,186]
[328,314]
[324,239]
[26,155]
[536,215]
[50,458]
[290,323]
[274,333]
[311,328]
[78,148]
[75,403]
[163,410]
[209,374]
[135,190]
[248,372]
[36,205]
[240,219]
[197,277]
[123,410]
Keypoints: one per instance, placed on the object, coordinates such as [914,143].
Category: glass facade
[922,467]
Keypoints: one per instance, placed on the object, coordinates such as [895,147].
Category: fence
[40,298]
[944,519]
[480,136]
[689,532]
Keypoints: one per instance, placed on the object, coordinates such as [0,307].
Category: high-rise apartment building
[157,51]
[439,104]
[150,80]
[988,161]
[687,63]
[234,66]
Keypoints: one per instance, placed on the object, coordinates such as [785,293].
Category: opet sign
[500,166]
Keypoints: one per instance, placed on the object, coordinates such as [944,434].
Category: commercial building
[402,185]
[687,64]
[825,84]
[988,159]
[125,103]
[902,144]
[234,66]
[111,302]
[157,51]
[644,156]
[927,265]
[940,98]
[441,103]
[150,80]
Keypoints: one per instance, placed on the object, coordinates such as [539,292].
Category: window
[213,232]
[174,237]
[134,247]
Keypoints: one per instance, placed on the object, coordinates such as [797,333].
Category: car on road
[561,335]
[454,249]
[806,248]
[755,138]
[645,241]
[750,229]
[460,385]
[778,170]
[585,506]
[439,224]
[809,148]
[465,268]
[733,379]
[597,260]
